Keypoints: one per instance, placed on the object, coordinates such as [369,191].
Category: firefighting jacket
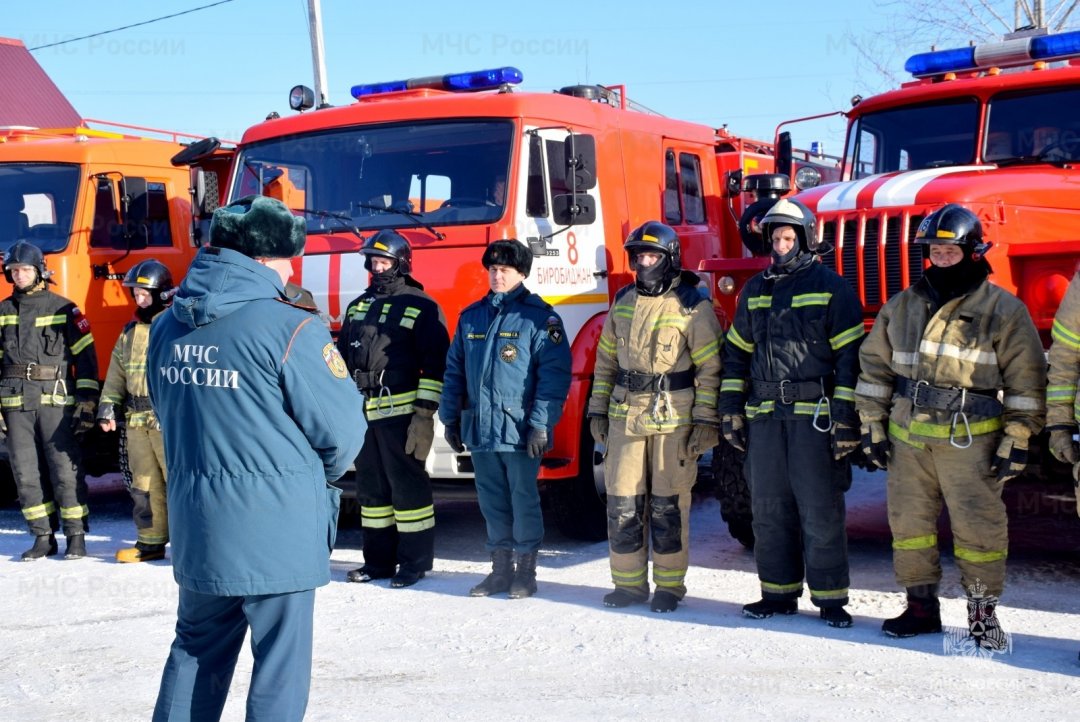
[257,414]
[658,360]
[395,348]
[1062,408]
[983,342]
[508,369]
[801,329]
[47,352]
[125,381]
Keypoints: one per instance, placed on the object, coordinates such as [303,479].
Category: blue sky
[220,70]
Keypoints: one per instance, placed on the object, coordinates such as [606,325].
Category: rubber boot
[922,616]
[664,602]
[501,577]
[766,608]
[524,582]
[141,553]
[44,546]
[76,547]
[983,624]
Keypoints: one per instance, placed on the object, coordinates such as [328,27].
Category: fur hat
[258,227]
[509,252]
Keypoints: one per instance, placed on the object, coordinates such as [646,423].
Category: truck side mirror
[580,154]
[572,209]
[783,154]
[733,183]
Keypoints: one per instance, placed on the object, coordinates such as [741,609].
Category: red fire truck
[454,162]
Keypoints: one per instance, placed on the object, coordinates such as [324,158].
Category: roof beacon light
[456,82]
[1018,51]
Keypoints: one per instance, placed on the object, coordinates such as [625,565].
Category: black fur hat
[509,252]
[258,227]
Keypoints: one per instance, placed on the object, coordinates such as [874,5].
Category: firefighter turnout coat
[1063,379]
[919,363]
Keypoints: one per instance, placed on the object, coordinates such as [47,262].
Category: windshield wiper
[342,218]
[408,214]
[1025,159]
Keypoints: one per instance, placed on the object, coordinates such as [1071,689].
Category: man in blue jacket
[258,415]
[507,377]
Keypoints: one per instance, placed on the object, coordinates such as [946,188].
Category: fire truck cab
[455,162]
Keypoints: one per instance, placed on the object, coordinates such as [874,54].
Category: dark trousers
[509,499]
[41,440]
[209,633]
[396,509]
[797,497]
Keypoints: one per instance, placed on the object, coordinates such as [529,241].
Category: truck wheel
[733,492]
[580,504]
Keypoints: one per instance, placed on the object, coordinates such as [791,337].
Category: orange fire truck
[454,162]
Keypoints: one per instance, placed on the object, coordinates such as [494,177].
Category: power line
[127,27]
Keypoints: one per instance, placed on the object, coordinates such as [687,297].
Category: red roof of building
[30,96]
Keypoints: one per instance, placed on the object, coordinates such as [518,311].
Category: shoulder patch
[334,362]
[555,330]
[81,322]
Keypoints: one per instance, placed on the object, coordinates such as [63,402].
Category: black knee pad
[666,524]
[626,523]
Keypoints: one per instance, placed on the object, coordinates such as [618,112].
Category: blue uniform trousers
[509,499]
[209,633]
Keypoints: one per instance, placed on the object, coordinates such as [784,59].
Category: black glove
[733,426]
[84,418]
[875,444]
[845,439]
[1010,458]
[452,434]
[537,443]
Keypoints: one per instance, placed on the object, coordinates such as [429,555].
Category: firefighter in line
[933,366]
[258,416]
[1063,382]
[48,396]
[394,342]
[787,399]
[125,387]
[653,406]
[507,378]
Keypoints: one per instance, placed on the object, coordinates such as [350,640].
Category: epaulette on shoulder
[533,299]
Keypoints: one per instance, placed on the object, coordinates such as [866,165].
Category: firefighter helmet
[955,225]
[656,237]
[25,253]
[151,274]
[388,244]
[790,212]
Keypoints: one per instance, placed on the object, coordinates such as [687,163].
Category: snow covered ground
[87,639]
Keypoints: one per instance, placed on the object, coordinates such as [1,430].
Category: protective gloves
[733,427]
[1062,445]
[598,427]
[845,439]
[1010,458]
[875,444]
[452,434]
[84,417]
[106,416]
[420,434]
[537,442]
[702,438]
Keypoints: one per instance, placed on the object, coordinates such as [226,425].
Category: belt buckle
[915,393]
[29,370]
[783,393]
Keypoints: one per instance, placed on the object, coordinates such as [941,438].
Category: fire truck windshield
[911,138]
[1033,127]
[36,204]
[380,176]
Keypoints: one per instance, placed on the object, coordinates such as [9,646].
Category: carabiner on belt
[59,399]
[823,401]
[962,417]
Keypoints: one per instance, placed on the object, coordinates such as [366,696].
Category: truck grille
[881,236]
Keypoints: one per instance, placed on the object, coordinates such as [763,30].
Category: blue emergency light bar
[1018,51]
[457,82]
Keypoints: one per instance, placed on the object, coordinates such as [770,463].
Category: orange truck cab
[455,162]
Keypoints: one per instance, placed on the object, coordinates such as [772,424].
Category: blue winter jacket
[258,414]
[508,369]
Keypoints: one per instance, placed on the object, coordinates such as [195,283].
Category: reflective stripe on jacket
[1062,406]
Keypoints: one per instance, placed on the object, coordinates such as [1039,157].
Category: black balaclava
[954,281]
[656,279]
[385,283]
[157,305]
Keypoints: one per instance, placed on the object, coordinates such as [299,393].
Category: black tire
[579,505]
[733,492]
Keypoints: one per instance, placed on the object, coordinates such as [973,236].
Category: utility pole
[318,57]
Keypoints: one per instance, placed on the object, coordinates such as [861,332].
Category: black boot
[524,582]
[76,547]
[44,546]
[766,608]
[502,574]
[624,597]
[922,616]
[983,624]
[664,602]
